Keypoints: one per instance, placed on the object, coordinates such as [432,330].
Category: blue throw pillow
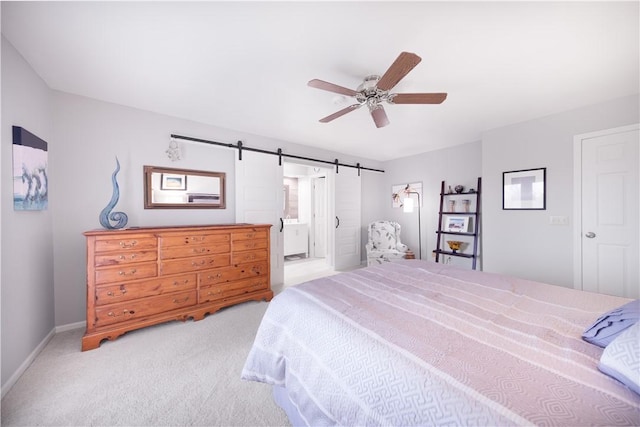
[612,323]
[621,358]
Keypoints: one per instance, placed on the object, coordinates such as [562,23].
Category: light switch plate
[558,220]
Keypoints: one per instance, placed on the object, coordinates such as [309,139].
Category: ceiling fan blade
[404,63]
[321,84]
[340,113]
[379,116]
[417,98]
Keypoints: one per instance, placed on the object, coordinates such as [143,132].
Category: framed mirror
[170,188]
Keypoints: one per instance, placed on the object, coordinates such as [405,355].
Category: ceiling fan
[375,89]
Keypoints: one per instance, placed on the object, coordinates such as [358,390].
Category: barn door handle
[281,225]
[337,222]
[590,235]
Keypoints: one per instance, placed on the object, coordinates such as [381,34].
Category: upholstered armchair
[384,243]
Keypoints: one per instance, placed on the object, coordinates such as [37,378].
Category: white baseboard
[70,326]
[23,367]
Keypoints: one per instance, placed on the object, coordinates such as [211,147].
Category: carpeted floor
[174,374]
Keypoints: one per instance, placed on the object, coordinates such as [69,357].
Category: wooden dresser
[139,277]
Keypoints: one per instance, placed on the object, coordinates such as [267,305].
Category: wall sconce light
[408,208]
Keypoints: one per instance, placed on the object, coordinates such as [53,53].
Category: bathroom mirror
[170,188]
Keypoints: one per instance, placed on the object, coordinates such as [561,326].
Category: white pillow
[621,358]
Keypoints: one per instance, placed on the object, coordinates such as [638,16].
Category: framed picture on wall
[524,189]
[30,171]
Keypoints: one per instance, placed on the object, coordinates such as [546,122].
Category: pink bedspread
[420,343]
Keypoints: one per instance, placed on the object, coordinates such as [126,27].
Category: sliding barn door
[347,192]
[260,200]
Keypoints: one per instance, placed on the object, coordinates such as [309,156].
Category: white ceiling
[245,65]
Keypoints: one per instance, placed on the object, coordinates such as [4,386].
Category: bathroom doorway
[306,228]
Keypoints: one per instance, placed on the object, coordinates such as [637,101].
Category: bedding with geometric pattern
[421,343]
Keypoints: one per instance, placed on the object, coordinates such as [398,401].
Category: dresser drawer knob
[123,291]
[177,283]
[124,313]
[124,273]
[178,301]
[123,257]
[128,244]
[197,264]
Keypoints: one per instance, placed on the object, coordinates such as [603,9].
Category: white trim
[577,195]
[71,326]
[27,362]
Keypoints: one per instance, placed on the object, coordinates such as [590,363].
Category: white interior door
[260,200]
[609,234]
[319,219]
[347,192]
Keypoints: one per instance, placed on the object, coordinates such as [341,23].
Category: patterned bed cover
[421,343]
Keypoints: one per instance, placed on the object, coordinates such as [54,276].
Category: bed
[420,343]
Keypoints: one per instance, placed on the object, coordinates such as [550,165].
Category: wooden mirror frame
[179,180]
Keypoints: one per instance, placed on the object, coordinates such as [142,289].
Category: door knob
[590,235]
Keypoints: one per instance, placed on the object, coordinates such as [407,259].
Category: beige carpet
[175,374]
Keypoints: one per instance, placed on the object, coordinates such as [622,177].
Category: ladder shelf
[474,216]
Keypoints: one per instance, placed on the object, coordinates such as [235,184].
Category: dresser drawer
[140,308]
[225,290]
[194,264]
[244,245]
[129,243]
[124,257]
[197,250]
[125,272]
[249,235]
[249,256]
[229,274]
[110,294]
[190,239]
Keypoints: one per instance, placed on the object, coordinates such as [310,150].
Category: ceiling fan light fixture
[374,90]
[369,83]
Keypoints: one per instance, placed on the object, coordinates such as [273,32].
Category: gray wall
[522,242]
[27,285]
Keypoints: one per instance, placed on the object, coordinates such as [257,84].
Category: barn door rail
[240,147]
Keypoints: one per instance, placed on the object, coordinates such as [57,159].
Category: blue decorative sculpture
[106,215]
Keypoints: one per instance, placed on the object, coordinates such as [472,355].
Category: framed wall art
[524,189]
[30,171]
